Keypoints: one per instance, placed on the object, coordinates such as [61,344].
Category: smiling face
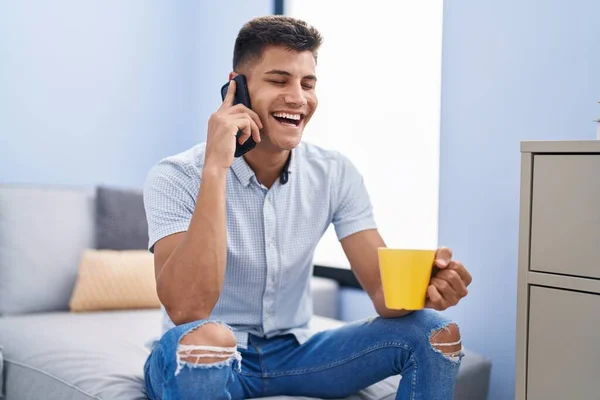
[282,92]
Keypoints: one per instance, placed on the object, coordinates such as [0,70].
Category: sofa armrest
[326,295]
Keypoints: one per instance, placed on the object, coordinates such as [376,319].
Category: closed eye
[278,82]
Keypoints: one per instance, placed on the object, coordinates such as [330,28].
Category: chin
[288,143]
[284,141]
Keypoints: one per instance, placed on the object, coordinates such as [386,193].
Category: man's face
[282,92]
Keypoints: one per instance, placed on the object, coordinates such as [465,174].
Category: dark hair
[278,30]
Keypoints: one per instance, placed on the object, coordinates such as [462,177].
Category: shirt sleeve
[169,200]
[353,211]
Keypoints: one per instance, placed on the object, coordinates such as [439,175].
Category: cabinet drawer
[565,214]
[563,349]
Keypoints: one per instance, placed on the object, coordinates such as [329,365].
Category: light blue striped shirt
[271,233]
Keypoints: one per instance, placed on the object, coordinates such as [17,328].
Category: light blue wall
[97,91]
[512,70]
[217,33]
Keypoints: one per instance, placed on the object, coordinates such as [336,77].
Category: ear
[232,75]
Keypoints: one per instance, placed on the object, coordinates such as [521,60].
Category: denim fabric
[331,364]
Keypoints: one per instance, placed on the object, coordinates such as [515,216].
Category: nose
[294,96]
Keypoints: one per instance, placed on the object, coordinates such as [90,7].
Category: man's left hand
[449,281]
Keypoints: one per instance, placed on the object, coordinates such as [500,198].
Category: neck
[267,164]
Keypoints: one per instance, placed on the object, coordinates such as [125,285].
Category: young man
[233,242]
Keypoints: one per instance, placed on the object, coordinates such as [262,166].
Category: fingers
[435,300]
[244,124]
[255,131]
[465,276]
[228,101]
[248,115]
[454,280]
[443,256]
[445,289]
[248,127]
[240,108]
[449,281]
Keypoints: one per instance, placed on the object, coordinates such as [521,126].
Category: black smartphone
[241,96]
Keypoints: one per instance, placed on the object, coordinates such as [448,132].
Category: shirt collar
[242,170]
[244,173]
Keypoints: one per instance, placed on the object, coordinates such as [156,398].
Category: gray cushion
[1,373]
[76,356]
[473,378]
[101,355]
[95,355]
[120,219]
[42,233]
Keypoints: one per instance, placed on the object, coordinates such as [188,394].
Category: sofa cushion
[115,280]
[120,219]
[42,233]
[1,373]
[100,355]
[96,355]
[77,356]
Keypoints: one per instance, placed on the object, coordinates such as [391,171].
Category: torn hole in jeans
[453,351]
[228,354]
[453,355]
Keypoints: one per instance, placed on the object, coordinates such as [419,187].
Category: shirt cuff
[351,227]
[164,231]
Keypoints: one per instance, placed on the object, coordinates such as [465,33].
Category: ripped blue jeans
[331,364]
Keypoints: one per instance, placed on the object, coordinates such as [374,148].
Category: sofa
[48,351]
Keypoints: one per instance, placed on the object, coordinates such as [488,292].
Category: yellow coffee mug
[405,275]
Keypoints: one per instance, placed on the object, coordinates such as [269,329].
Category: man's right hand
[223,126]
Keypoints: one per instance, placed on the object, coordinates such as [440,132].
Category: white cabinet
[558,316]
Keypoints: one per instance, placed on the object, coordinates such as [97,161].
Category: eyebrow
[286,73]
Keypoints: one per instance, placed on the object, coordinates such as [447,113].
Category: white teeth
[288,116]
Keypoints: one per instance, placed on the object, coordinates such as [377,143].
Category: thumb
[443,256]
